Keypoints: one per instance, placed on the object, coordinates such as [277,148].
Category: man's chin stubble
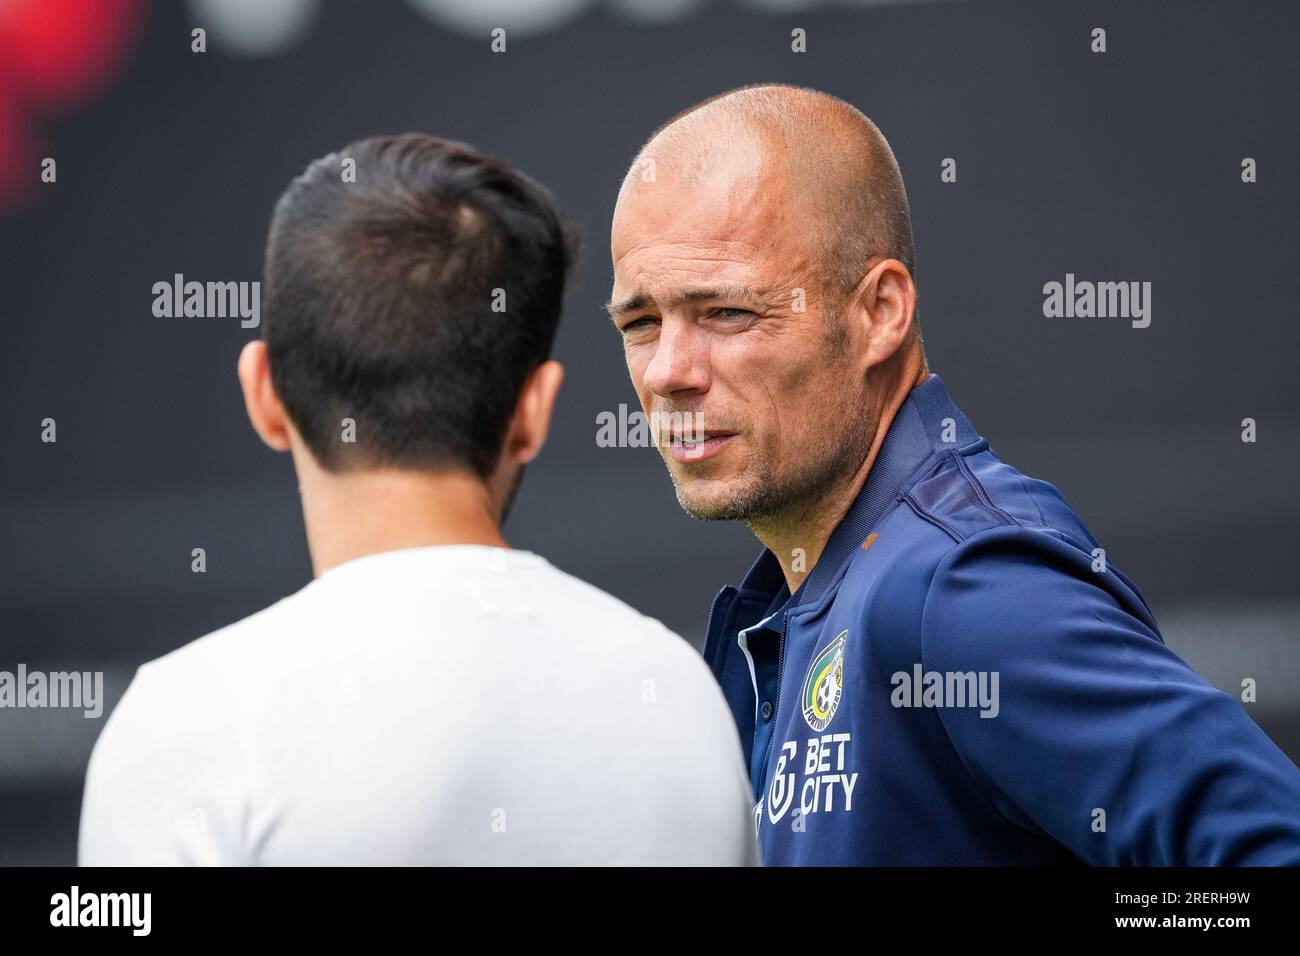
[755,503]
[763,503]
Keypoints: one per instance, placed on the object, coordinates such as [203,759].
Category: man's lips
[688,446]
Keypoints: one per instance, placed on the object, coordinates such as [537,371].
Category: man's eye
[733,313]
[635,324]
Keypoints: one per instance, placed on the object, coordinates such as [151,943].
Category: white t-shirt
[458,705]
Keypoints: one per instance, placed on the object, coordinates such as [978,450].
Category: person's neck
[354,514]
[798,539]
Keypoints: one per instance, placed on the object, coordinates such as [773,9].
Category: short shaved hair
[831,147]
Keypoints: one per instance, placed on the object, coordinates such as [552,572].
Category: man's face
[719,296]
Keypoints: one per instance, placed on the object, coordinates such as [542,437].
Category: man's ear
[886,301]
[262,404]
[533,412]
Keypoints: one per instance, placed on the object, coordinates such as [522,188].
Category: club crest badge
[824,684]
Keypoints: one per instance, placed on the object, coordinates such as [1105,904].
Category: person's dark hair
[414,300]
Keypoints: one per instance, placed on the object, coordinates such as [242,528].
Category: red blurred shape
[55,55]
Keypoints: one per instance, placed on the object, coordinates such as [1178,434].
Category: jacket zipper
[776,712]
[709,640]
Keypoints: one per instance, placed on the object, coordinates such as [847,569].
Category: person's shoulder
[637,638]
[971,491]
[1011,531]
[969,508]
[973,535]
[200,692]
[173,750]
[203,684]
[585,599]
[627,649]
[1027,591]
[228,651]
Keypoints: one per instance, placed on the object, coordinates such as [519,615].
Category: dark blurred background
[1117,166]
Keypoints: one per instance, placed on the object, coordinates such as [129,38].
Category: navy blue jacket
[965,679]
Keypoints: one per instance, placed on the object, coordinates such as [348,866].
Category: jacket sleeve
[1103,738]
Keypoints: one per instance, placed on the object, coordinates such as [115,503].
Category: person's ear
[532,418]
[885,301]
[260,401]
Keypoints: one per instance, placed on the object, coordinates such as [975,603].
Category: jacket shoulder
[970,490]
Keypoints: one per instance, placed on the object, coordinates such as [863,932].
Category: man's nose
[680,362]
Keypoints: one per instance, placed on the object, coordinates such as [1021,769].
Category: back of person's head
[411,291]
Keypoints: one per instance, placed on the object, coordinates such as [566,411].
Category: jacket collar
[914,437]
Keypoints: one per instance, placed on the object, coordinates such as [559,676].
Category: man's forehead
[695,228]
[687,253]
[669,211]
[682,228]
[668,266]
[715,198]
[698,149]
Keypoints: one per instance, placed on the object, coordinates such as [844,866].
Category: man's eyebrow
[638,301]
[642,300]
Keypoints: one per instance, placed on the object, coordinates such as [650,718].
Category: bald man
[931,662]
